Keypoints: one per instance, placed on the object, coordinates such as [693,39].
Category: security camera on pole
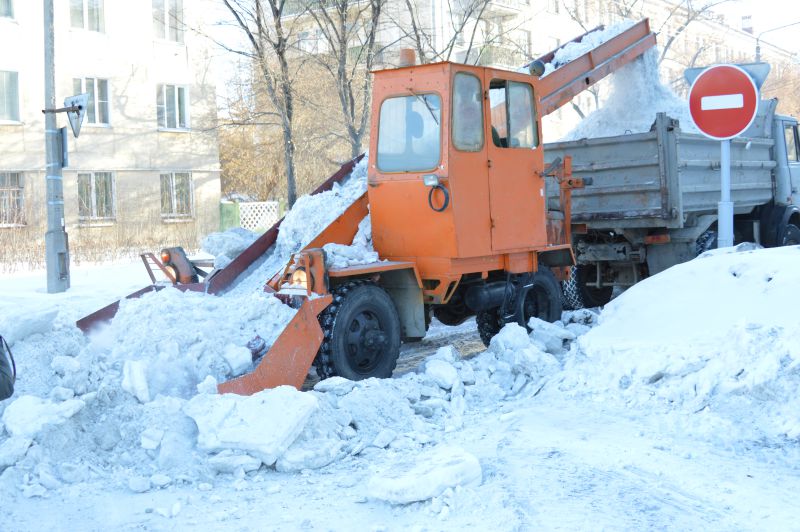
[723,101]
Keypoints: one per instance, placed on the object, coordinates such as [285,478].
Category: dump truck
[653,202]
[459,215]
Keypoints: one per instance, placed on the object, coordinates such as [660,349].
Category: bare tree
[349,29]
[262,22]
[465,21]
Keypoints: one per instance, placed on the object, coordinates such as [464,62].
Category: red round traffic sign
[723,101]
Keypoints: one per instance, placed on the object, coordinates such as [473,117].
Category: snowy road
[547,464]
[658,418]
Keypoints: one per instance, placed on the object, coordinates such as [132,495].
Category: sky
[767,15]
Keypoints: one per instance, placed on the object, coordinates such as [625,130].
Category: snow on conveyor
[636,92]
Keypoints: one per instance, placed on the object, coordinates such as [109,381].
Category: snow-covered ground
[675,408]
[678,410]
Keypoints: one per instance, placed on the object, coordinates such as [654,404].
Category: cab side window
[791,144]
[467,112]
[513,114]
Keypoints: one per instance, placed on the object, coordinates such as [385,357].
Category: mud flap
[290,357]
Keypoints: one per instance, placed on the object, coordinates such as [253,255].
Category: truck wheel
[362,333]
[576,295]
[791,235]
[540,299]
[705,242]
[488,324]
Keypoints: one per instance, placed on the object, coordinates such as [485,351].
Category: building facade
[145,170]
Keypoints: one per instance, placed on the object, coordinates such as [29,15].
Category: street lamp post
[758,39]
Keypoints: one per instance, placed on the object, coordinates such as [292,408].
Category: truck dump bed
[664,177]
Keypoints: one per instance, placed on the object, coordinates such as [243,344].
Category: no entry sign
[723,101]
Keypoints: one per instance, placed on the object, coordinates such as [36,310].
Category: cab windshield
[409,133]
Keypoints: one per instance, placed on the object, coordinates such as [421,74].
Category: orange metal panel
[516,187]
[404,225]
[288,360]
[374,267]
[568,80]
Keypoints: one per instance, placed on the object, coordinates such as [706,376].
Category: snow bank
[114,404]
[718,332]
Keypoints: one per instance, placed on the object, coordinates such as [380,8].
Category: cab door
[516,188]
[793,159]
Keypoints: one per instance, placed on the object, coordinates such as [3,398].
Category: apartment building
[145,169]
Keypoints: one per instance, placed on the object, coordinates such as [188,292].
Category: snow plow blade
[288,360]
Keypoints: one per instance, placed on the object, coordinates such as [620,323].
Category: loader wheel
[576,295]
[540,299]
[791,235]
[488,324]
[362,333]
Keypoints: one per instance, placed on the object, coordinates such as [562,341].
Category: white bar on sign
[722,101]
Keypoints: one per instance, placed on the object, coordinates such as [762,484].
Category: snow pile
[636,95]
[720,332]
[311,214]
[360,252]
[227,245]
[573,50]
[114,404]
[307,218]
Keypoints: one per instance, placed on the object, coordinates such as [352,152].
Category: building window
[172,108]
[87,14]
[11,198]
[168,19]
[9,96]
[176,195]
[96,196]
[97,108]
[6,9]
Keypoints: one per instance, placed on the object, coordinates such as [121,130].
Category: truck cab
[787,151]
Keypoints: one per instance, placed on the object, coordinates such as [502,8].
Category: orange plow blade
[290,357]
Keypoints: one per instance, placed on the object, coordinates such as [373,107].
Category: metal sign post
[723,101]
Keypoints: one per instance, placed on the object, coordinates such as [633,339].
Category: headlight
[165,256]
[300,277]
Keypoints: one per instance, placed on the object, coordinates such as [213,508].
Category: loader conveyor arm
[561,85]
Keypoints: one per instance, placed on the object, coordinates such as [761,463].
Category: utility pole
[56,241]
[758,39]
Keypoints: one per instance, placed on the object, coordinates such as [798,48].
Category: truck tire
[361,333]
[576,295]
[705,242]
[791,235]
[541,298]
[488,324]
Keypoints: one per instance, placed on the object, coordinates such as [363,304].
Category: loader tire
[576,295]
[361,333]
[488,324]
[541,298]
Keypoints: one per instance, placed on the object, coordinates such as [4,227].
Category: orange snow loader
[456,190]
